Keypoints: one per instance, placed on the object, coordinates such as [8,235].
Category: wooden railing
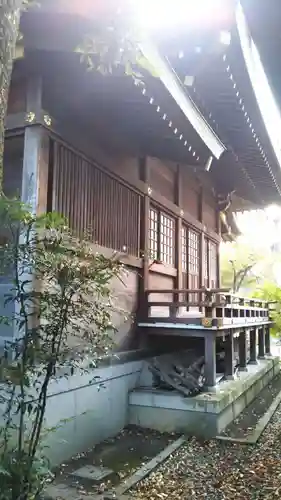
[217,307]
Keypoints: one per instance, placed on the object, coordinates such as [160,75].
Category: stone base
[207,414]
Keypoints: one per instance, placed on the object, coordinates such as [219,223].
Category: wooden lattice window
[167,239]
[161,236]
[193,262]
[210,264]
[206,262]
[213,266]
[153,233]
[193,252]
[184,249]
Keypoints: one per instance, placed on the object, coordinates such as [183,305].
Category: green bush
[60,288]
[272,293]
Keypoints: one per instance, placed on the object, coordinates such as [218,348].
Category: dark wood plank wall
[94,200]
[209,211]
[13,158]
[108,202]
[162,178]
[17,96]
[96,203]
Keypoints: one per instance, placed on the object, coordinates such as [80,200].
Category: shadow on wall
[86,411]
[124,293]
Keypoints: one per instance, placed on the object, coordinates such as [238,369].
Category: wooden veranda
[211,314]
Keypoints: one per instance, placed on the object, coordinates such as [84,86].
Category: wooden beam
[178,235]
[172,83]
[253,347]
[261,344]
[229,356]
[201,242]
[243,350]
[34,94]
[35,156]
[144,242]
[267,341]
[210,359]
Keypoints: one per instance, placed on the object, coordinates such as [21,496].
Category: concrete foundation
[207,414]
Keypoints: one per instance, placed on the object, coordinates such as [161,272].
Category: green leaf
[4,472]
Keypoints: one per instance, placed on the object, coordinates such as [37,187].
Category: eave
[87,11]
[261,88]
[175,87]
[186,129]
[223,92]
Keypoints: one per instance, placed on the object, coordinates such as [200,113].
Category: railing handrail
[210,291]
[174,291]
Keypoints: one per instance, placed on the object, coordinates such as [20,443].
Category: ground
[216,470]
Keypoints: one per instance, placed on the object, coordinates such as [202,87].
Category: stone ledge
[205,415]
[211,402]
[254,436]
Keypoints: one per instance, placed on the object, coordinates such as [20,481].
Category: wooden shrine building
[156,171]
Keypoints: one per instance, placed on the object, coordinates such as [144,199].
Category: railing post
[210,359]
[229,357]
[267,341]
[253,347]
[243,351]
[261,345]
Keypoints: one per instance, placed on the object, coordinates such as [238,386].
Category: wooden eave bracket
[229,228]
[172,83]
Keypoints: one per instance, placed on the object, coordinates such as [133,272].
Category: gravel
[216,470]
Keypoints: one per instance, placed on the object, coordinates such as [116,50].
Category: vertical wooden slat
[58,180]
[43,173]
[89,196]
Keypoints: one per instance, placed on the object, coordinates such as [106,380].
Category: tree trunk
[9,29]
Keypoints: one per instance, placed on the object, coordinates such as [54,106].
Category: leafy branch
[61,290]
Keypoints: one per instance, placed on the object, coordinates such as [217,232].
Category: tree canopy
[244,266]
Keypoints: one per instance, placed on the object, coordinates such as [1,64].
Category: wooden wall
[13,159]
[108,200]
[101,189]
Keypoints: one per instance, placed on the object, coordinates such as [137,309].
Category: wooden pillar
[210,359]
[201,247]
[243,351]
[178,238]
[36,153]
[261,344]
[34,190]
[144,243]
[34,95]
[267,341]
[253,347]
[34,185]
[218,228]
[229,357]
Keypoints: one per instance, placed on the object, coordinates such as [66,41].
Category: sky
[261,227]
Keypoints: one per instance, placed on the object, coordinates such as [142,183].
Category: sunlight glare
[163,14]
